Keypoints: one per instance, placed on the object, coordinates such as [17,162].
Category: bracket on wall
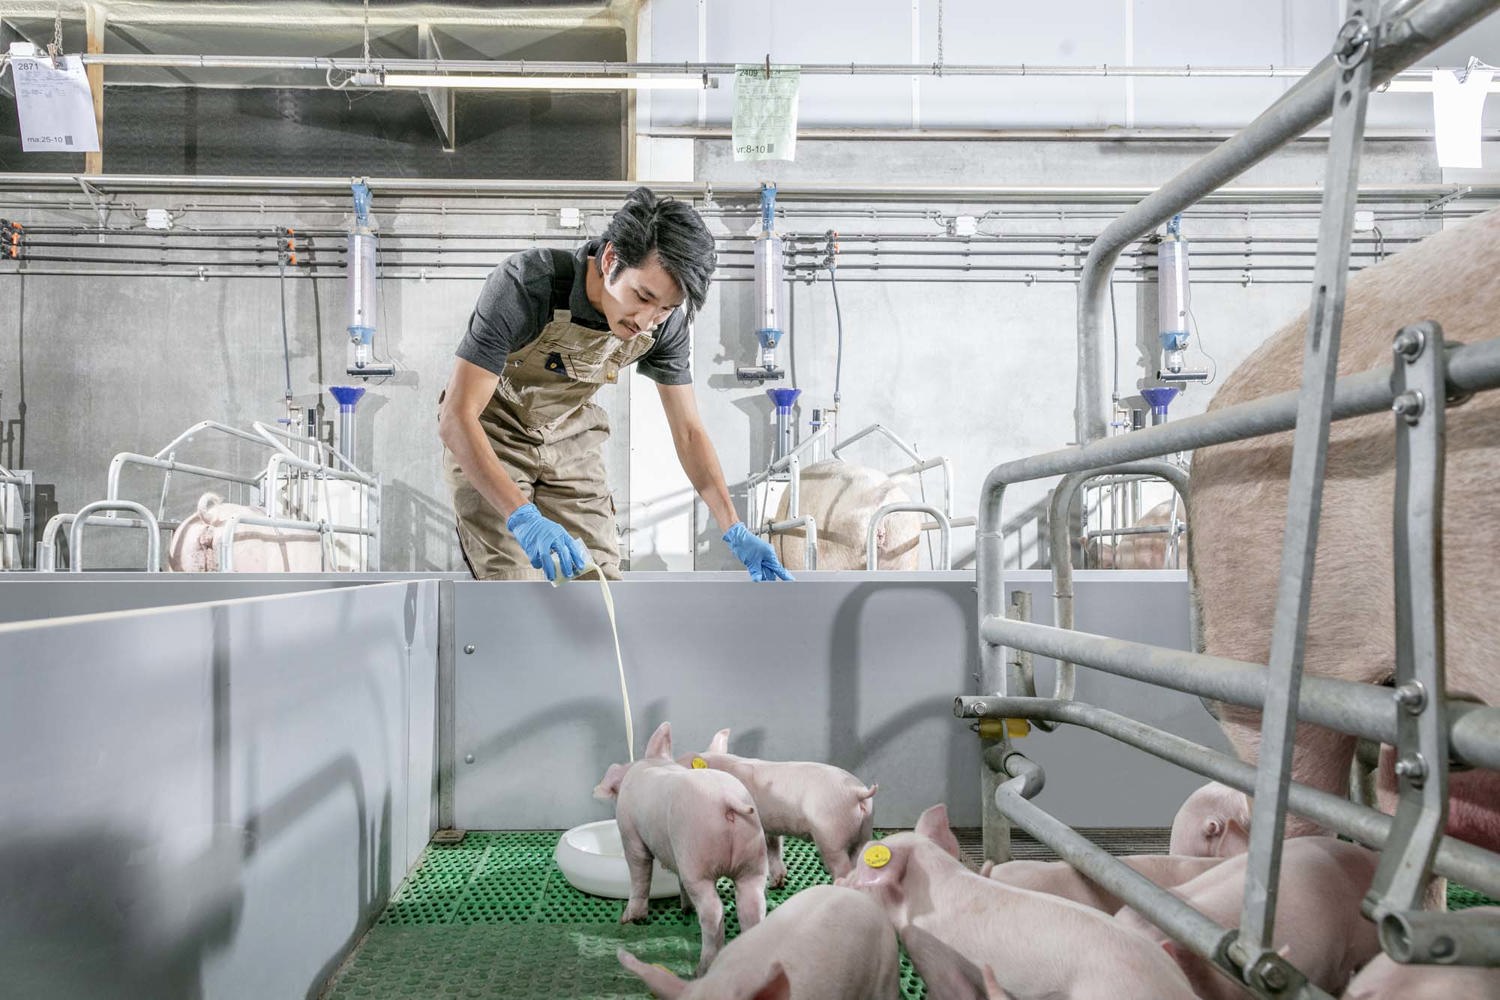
[437,101]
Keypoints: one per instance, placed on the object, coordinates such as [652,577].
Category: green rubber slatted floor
[492,918]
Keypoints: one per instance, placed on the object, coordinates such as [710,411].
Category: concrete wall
[980,371]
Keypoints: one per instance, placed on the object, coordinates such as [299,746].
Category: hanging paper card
[1458,114]
[765,112]
[54,105]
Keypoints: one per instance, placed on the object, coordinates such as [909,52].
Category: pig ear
[933,824]
[776,987]
[992,990]
[884,879]
[609,787]
[1176,952]
[720,742]
[660,744]
[948,975]
[659,981]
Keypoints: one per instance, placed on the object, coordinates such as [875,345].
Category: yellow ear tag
[699,763]
[877,855]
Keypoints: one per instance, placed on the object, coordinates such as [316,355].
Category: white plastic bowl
[592,859]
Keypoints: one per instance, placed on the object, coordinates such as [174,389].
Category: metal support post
[1059,526]
[1421,721]
[939,517]
[995,746]
[143,519]
[1352,50]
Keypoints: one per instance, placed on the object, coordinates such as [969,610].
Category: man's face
[640,298]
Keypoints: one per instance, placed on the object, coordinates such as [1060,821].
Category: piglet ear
[609,787]
[933,824]
[720,742]
[776,987]
[879,869]
[992,990]
[660,744]
[659,981]
[1176,952]
[1236,839]
[948,975]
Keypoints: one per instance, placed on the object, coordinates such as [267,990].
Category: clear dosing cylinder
[359,283]
[346,433]
[770,291]
[1172,299]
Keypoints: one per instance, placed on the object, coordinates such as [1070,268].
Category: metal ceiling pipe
[710,192]
[1309,102]
[813,133]
[525,67]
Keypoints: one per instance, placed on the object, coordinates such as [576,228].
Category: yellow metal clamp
[994,729]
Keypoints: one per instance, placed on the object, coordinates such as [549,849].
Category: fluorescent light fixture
[424,81]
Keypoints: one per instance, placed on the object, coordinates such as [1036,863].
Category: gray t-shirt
[518,299]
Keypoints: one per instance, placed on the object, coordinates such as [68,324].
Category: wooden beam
[93,163]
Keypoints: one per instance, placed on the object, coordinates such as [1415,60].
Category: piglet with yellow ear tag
[1035,945]
[820,802]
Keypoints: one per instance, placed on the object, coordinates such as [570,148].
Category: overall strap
[562,277]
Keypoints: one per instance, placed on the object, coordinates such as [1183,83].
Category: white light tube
[482,82]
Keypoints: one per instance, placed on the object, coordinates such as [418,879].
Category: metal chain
[940,39]
[55,49]
[367,32]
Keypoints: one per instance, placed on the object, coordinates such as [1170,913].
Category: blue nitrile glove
[756,553]
[541,537]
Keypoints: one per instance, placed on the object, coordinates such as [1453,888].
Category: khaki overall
[549,436]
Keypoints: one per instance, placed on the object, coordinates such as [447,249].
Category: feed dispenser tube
[1174,306]
[347,396]
[360,285]
[784,399]
[1160,398]
[770,293]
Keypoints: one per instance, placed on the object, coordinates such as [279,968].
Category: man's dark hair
[669,228]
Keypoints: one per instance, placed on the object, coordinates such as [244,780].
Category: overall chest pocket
[601,362]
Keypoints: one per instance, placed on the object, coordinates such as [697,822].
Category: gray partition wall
[38,596]
[856,669]
[211,800]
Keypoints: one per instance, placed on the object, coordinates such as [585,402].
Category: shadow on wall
[591,719]
[89,913]
[851,746]
[100,913]
[711,552]
[639,547]
[422,535]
